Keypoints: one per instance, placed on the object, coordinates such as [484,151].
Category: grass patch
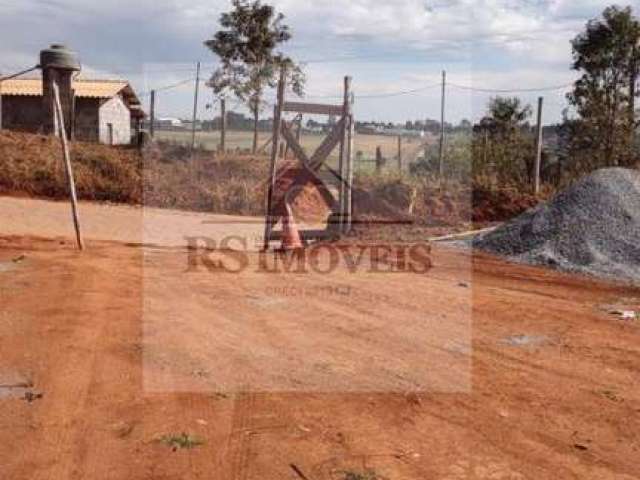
[182,441]
[366,475]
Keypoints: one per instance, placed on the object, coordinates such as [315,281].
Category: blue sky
[386,46]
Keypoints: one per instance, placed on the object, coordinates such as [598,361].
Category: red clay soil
[498,205]
[563,405]
[171,177]
[304,191]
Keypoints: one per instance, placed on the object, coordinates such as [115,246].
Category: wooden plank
[305,235]
[342,163]
[268,142]
[62,132]
[324,150]
[462,235]
[302,157]
[327,145]
[349,197]
[296,121]
[312,108]
[269,220]
[293,144]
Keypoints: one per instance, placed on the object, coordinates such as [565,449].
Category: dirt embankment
[173,177]
[32,165]
[158,176]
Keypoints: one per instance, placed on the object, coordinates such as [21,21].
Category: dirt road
[474,369]
[120,223]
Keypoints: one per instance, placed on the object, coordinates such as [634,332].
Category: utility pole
[485,147]
[536,173]
[442,108]
[223,123]
[485,157]
[633,80]
[426,143]
[400,153]
[195,109]
[152,114]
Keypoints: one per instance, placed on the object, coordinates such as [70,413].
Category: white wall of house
[115,122]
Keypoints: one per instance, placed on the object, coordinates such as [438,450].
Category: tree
[246,45]
[608,55]
[505,116]
[465,124]
[502,148]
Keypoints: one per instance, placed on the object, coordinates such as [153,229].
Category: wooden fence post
[299,131]
[400,153]
[275,148]
[195,108]
[62,132]
[223,124]
[351,135]
[442,126]
[342,163]
[152,114]
[379,160]
[538,163]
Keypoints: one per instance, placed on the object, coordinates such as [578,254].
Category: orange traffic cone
[290,235]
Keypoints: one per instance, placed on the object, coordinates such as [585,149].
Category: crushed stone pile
[593,228]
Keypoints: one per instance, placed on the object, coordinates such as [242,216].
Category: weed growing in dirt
[366,475]
[183,440]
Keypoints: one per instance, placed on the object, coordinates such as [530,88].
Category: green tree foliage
[247,47]
[502,147]
[607,54]
[505,116]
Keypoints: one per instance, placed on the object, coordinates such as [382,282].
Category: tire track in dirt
[62,400]
[239,445]
[517,422]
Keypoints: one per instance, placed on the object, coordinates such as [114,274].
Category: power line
[434,85]
[168,87]
[515,90]
[400,93]
[380,95]
[14,75]
[269,101]
[175,85]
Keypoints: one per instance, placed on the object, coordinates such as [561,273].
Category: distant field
[411,147]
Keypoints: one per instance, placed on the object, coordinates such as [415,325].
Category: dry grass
[170,176]
[32,165]
[159,176]
[232,184]
[364,144]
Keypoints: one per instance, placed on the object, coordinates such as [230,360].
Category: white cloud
[393,44]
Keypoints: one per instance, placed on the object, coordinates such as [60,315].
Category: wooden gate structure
[341,134]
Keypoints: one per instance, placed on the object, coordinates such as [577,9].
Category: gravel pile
[593,227]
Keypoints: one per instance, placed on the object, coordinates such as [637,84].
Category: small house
[105,111]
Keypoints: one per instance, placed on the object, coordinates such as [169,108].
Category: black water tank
[59,56]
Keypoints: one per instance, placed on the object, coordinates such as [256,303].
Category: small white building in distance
[105,111]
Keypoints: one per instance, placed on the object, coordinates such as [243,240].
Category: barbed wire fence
[379,146]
